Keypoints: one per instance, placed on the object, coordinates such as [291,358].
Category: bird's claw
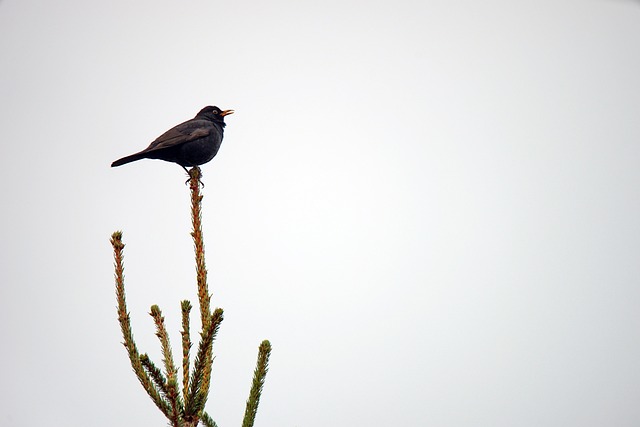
[194,173]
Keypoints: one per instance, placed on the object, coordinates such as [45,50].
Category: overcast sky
[431,208]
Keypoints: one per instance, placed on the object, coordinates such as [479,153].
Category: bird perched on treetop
[192,143]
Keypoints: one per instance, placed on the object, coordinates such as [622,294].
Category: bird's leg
[188,174]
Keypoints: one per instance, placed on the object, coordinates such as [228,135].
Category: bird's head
[214,113]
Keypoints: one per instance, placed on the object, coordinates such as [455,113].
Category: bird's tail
[128,159]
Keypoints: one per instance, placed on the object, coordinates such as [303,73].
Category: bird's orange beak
[226,113]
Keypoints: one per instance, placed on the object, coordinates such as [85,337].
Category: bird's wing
[185,132]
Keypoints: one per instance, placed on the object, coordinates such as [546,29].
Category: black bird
[192,143]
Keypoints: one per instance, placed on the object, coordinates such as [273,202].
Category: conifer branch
[197,394]
[262,366]
[186,348]
[125,326]
[173,394]
[207,421]
[204,297]
[155,373]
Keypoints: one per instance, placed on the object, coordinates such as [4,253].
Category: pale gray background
[430,208]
